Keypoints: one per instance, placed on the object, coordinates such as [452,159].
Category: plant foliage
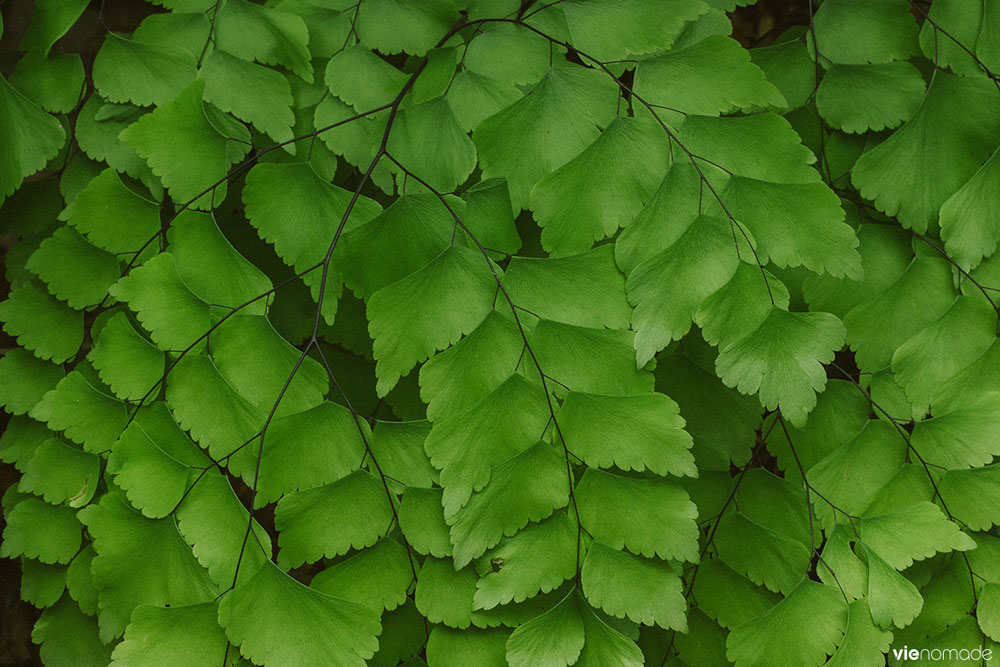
[478,332]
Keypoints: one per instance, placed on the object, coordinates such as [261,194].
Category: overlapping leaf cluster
[485,332]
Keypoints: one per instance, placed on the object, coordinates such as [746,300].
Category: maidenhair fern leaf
[538,558]
[526,488]
[139,561]
[802,629]
[782,360]
[643,432]
[264,34]
[171,637]
[25,379]
[642,589]
[864,643]
[549,139]
[273,617]
[893,599]
[660,521]
[428,310]
[112,216]
[32,138]
[452,158]
[708,78]
[126,70]
[602,188]
[60,473]
[312,523]
[268,109]
[41,323]
[914,533]
[83,412]
[377,577]
[913,172]
[553,638]
[426,23]
[36,529]
[74,270]
[203,144]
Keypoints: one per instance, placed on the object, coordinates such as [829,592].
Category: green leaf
[42,585]
[660,519]
[524,489]
[741,305]
[553,638]
[782,359]
[794,224]
[508,53]
[41,323]
[98,125]
[32,138]
[143,74]
[630,27]
[377,577]
[598,361]
[766,556]
[802,629]
[361,79]
[139,561]
[69,638]
[711,77]
[893,599]
[315,523]
[24,380]
[227,78]
[61,474]
[54,83]
[965,224]
[74,270]
[428,310]
[850,475]
[727,596]
[538,558]
[187,30]
[455,648]
[171,637]
[408,234]
[328,27]
[266,615]
[988,610]
[449,161]
[877,328]
[934,354]
[605,645]
[549,138]
[668,289]
[864,643]
[859,98]
[644,590]
[399,449]
[190,146]
[267,35]
[962,437]
[422,521]
[270,378]
[128,363]
[218,418]
[972,496]
[454,379]
[112,216]
[913,172]
[627,432]
[155,463]
[494,429]
[308,449]
[83,412]
[914,533]
[426,22]
[879,32]
[165,306]
[20,439]
[36,529]
[212,519]
[275,196]
[601,189]
[51,20]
